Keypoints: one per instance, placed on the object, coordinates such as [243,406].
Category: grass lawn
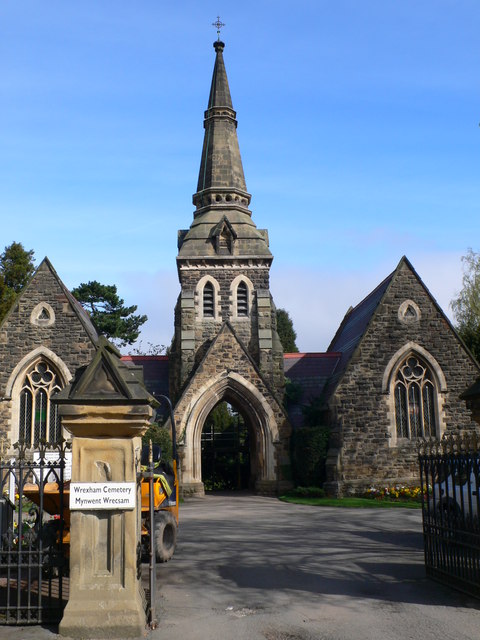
[356,503]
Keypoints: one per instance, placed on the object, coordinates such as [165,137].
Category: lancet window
[208,300]
[242,299]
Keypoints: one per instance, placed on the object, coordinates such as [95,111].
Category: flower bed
[395,494]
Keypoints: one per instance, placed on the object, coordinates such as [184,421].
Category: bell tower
[223,266]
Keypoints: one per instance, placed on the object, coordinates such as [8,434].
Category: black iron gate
[450,475]
[33,553]
[226,455]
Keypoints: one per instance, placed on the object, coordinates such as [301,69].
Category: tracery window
[242,299]
[38,416]
[208,300]
[415,398]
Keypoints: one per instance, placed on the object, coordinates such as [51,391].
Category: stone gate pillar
[106,409]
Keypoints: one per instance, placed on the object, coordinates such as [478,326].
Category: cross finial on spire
[218,24]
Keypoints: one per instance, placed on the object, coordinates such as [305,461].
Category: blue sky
[358,127]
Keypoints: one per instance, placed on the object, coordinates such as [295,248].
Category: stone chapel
[395,371]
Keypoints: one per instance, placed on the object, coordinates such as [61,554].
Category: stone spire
[221,199]
[221,177]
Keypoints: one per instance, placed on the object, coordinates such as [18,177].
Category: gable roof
[79,311]
[227,336]
[357,320]
[355,323]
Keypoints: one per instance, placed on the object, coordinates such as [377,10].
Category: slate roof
[311,371]
[352,329]
[155,372]
[155,376]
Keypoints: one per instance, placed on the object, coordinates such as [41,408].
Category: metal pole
[152,563]
[176,465]
[174,431]
[153,556]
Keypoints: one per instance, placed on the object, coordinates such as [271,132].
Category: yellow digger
[160,479]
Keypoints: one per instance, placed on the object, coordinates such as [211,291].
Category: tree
[466,306]
[16,269]
[150,350]
[286,332]
[108,312]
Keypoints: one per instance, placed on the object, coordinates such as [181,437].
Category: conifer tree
[286,332]
[16,269]
[107,310]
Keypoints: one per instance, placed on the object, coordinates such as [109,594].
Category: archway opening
[226,450]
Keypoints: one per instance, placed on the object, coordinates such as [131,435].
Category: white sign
[53,456]
[102,495]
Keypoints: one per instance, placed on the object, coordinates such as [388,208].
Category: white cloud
[317,300]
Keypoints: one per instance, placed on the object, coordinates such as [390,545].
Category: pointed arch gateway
[231,387]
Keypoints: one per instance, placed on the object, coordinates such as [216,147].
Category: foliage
[293,392]
[161,436]
[221,418]
[466,306]
[108,312]
[309,454]
[16,269]
[225,467]
[286,332]
[16,266]
[307,492]
[394,493]
[314,413]
[150,350]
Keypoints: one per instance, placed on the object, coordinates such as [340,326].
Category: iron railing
[450,476]
[33,556]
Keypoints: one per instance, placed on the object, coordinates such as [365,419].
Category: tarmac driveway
[255,568]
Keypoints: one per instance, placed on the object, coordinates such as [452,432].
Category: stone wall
[66,337]
[193,335]
[246,389]
[364,448]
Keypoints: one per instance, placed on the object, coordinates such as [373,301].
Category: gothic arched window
[242,299]
[208,300]
[415,399]
[38,417]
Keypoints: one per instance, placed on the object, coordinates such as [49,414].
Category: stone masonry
[364,448]
[220,252]
[63,335]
